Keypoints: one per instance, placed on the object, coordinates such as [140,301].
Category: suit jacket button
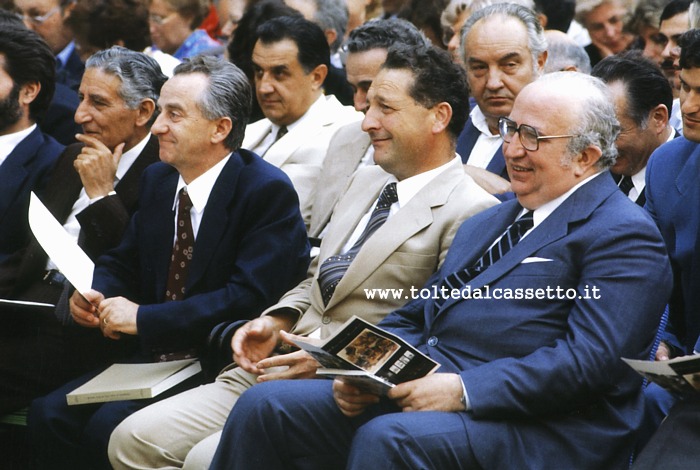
[432,341]
[326,320]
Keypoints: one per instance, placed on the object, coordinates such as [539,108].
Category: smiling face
[540,176]
[103,113]
[499,64]
[284,90]
[670,31]
[400,128]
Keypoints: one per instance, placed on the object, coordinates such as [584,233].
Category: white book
[133,381]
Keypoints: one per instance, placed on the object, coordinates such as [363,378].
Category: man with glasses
[529,353]
[48,18]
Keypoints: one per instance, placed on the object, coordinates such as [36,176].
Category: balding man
[527,379]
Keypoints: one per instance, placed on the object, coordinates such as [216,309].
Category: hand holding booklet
[369,357]
[681,374]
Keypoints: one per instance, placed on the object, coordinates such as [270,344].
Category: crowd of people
[259,166]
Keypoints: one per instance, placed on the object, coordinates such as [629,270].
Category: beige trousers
[182,431]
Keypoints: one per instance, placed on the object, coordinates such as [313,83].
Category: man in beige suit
[392,228]
[299,120]
[350,147]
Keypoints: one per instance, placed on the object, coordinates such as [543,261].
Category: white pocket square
[535,259]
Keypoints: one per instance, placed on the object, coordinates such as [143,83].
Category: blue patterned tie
[508,240]
[333,269]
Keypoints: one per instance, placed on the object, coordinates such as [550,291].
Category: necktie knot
[281,132]
[626,185]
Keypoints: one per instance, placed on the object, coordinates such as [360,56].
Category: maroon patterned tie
[182,251]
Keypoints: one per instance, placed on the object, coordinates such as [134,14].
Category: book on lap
[133,381]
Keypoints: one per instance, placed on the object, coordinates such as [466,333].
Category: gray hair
[140,75]
[332,14]
[647,13]
[382,34]
[563,52]
[597,124]
[228,94]
[585,7]
[694,14]
[535,34]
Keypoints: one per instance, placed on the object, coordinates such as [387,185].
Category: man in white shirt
[643,99]
[504,49]
[290,62]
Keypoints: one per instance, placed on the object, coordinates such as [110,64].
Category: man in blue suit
[218,236]
[504,49]
[673,200]
[530,374]
[26,154]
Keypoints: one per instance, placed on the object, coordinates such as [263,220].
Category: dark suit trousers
[76,437]
[675,444]
[296,424]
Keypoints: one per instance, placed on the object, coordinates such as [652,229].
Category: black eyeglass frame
[504,124]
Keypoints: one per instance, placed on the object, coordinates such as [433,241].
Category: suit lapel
[215,219]
[13,171]
[497,165]
[466,140]
[160,227]
[255,133]
[127,186]
[576,207]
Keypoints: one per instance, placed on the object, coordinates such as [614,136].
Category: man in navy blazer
[530,374]
[504,49]
[26,154]
[673,200]
[249,248]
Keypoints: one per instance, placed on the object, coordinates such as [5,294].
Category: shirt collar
[409,187]
[479,121]
[10,141]
[65,54]
[130,156]
[200,188]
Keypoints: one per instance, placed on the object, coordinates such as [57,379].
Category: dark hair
[674,8]
[559,13]
[425,14]
[382,34]
[228,94]
[28,59]
[436,79]
[309,38]
[690,49]
[240,48]
[105,23]
[646,85]
[10,18]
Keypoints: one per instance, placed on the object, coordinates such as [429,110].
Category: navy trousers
[296,424]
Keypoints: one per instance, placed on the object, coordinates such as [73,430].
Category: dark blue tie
[508,240]
[333,269]
[626,185]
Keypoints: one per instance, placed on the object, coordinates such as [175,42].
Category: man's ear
[222,129]
[541,60]
[318,76]
[658,118]
[145,111]
[331,36]
[442,115]
[28,93]
[586,160]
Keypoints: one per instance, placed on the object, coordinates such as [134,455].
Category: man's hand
[300,364]
[663,353]
[435,392]
[83,310]
[351,400]
[255,341]
[118,315]
[490,182]
[97,166]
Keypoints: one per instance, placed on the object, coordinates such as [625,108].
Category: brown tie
[281,132]
[182,251]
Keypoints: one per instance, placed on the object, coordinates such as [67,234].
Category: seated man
[415,148]
[218,236]
[290,62]
[530,374]
[26,154]
[92,191]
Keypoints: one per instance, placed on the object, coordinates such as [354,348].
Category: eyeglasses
[40,19]
[159,19]
[529,137]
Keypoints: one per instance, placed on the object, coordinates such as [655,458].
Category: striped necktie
[626,185]
[333,269]
[508,240]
